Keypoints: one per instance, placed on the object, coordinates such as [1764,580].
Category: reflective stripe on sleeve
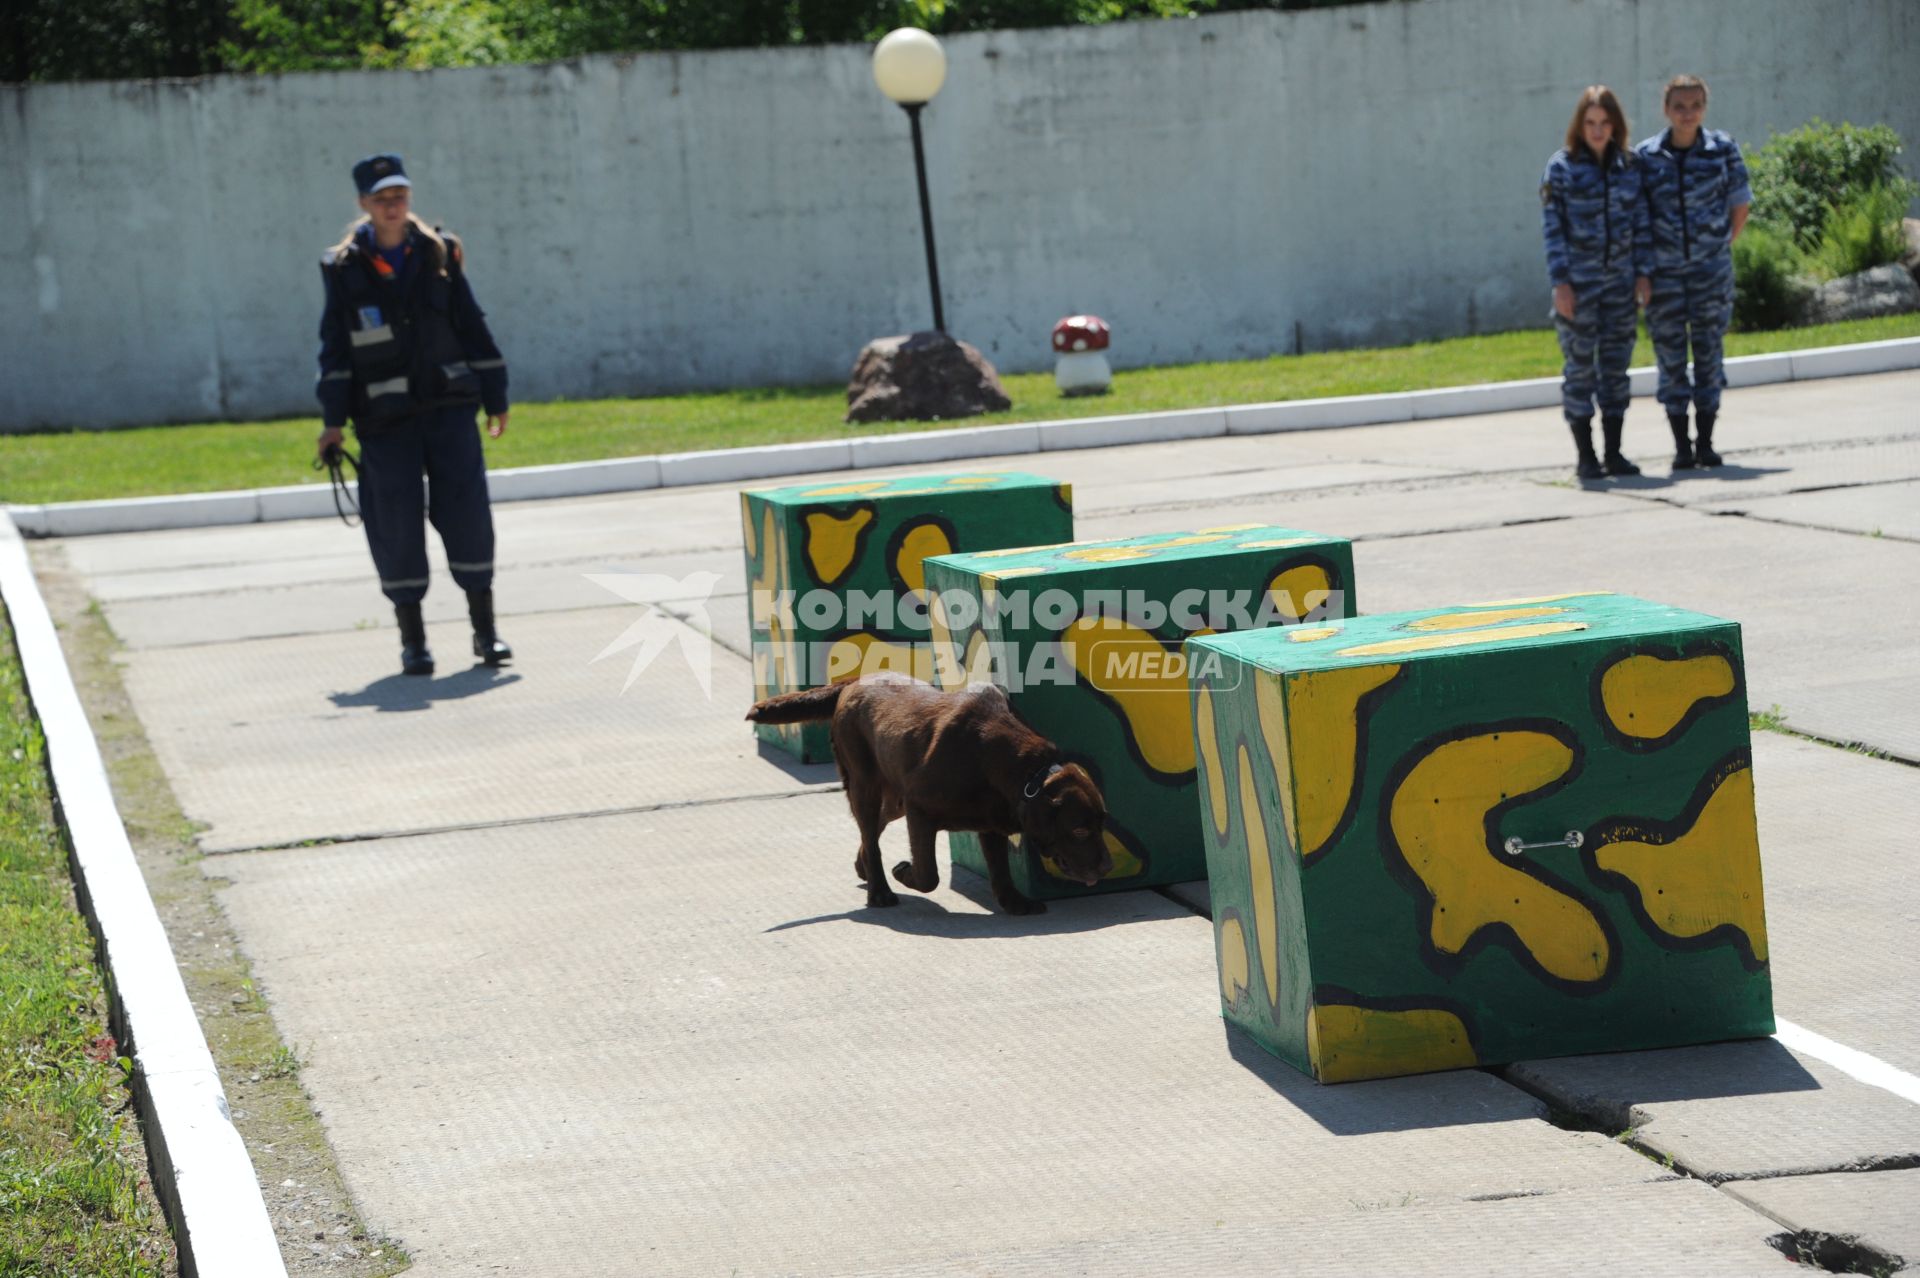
[369,336]
[480,364]
[392,386]
[459,368]
[343,375]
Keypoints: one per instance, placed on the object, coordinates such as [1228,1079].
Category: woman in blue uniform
[1599,255]
[1697,197]
[406,356]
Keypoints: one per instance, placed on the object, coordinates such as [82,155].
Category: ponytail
[346,236]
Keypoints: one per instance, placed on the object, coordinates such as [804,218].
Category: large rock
[1884,290]
[1911,258]
[921,378]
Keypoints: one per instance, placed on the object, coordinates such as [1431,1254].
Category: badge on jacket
[369,317]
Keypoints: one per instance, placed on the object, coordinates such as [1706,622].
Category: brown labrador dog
[951,761]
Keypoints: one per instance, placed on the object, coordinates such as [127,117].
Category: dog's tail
[798,707]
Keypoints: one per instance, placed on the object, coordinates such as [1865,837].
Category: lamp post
[910,66]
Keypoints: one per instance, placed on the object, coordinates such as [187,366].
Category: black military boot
[1612,426]
[487,643]
[1682,446]
[1589,465]
[414,657]
[1703,419]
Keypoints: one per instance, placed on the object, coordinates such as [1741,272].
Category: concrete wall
[1220,188]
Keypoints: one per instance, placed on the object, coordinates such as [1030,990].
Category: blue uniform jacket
[1691,198]
[1594,219]
[469,323]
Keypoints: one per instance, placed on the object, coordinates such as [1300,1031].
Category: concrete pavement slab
[1678,1227]
[1863,710]
[677,1042]
[1734,1111]
[1806,414]
[1843,906]
[1783,585]
[1771,472]
[280,740]
[226,615]
[1876,510]
[1404,509]
[1878,1209]
[610,524]
[1147,488]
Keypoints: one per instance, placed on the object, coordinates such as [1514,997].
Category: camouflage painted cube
[1086,639]
[1479,835]
[835,584]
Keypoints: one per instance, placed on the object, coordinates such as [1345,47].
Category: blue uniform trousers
[1691,308]
[443,445]
[1598,345]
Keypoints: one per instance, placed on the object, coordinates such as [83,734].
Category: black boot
[1682,446]
[414,657]
[1703,419]
[1589,465]
[1612,426]
[487,643]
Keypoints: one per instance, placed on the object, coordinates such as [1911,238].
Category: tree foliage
[130,39]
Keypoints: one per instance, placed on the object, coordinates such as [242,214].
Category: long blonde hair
[426,232]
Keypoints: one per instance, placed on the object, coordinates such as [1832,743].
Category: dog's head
[1065,819]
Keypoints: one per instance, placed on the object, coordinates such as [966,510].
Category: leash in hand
[332,462]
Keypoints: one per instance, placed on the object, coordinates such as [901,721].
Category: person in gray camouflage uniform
[1697,196]
[1599,253]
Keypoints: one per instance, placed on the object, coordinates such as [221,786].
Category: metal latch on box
[1514,846]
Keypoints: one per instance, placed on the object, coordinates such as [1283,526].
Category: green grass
[149,461]
[71,1161]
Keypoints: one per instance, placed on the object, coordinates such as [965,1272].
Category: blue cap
[378,172]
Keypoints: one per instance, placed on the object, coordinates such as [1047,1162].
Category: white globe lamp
[909,66]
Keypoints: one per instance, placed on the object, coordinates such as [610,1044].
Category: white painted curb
[201,1171]
[915,448]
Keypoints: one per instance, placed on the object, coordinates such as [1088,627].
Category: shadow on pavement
[1651,482]
[411,692]
[1456,1098]
[1604,1089]
[1729,471]
[1612,1084]
[918,915]
[806,773]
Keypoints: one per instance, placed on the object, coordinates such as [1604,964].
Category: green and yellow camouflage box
[835,585]
[1482,834]
[1086,640]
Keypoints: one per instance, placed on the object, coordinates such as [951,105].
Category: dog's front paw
[903,872]
[1021,905]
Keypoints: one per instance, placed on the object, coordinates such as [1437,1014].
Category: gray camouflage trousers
[1597,344]
[1691,309]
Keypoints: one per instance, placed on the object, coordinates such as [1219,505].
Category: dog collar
[1038,781]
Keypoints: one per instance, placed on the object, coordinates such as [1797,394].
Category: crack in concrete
[1778,521]
[592,814]
[1834,1253]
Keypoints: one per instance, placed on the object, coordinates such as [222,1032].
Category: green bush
[1768,279]
[1862,233]
[1798,177]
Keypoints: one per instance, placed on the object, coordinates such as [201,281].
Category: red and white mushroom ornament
[1079,347]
